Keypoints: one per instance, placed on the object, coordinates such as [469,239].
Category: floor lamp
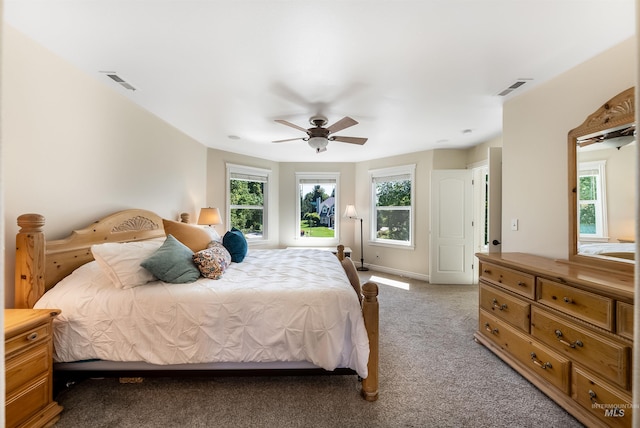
[351,213]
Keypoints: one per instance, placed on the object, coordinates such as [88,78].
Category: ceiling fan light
[318,143]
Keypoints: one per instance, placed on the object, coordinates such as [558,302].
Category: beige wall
[75,149]
[478,154]
[288,215]
[620,182]
[534,154]
[393,259]
[91,141]
[217,161]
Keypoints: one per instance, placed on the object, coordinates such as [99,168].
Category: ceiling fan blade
[351,140]
[588,142]
[288,139]
[343,123]
[284,122]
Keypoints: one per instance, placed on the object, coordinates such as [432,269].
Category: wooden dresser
[28,368]
[567,328]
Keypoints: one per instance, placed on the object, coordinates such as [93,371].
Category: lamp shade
[209,216]
[350,211]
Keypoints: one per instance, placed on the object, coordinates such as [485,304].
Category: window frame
[596,169]
[374,176]
[250,171]
[319,176]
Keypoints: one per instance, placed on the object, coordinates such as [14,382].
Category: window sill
[392,245]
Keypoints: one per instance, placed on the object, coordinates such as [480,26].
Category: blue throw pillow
[235,242]
[172,262]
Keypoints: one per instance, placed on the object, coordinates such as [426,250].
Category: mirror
[602,156]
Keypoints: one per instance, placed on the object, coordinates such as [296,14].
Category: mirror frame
[616,112]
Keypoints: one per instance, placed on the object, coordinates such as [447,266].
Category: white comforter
[277,305]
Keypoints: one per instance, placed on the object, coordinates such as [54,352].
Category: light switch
[514,224]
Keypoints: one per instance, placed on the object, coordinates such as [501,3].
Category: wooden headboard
[40,264]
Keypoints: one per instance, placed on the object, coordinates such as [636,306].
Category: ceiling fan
[616,138]
[318,136]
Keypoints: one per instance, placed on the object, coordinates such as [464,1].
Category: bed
[621,250]
[281,311]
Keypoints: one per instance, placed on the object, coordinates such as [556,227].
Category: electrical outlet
[514,224]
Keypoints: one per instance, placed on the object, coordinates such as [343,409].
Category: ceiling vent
[513,87]
[119,80]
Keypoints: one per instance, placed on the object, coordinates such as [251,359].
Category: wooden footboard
[40,265]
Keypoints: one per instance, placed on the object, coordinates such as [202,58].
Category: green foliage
[249,194]
[312,219]
[309,200]
[588,191]
[393,223]
[587,218]
[394,193]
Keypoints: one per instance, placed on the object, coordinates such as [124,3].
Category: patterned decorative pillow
[212,261]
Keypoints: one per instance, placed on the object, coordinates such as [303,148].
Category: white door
[495,199]
[451,256]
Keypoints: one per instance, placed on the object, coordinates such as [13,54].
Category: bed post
[340,252]
[29,283]
[371,321]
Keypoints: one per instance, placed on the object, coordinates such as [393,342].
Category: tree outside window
[317,202]
[591,197]
[392,196]
[247,200]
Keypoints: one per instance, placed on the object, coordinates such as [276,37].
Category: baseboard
[403,273]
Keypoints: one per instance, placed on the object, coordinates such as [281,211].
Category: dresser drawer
[28,338]
[21,405]
[609,404]
[505,307]
[24,367]
[597,310]
[624,320]
[541,360]
[518,282]
[594,350]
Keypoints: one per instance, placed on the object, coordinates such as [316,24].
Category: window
[392,196]
[247,200]
[316,207]
[591,200]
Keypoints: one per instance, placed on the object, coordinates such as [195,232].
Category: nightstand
[28,350]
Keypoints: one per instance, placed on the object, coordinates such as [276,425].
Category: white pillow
[121,261]
[215,236]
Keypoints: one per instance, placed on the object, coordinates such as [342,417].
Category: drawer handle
[32,336]
[486,271]
[488,328]
[522,284]
[501,307]
[573,344]
[567,300]
[539,363]
[592,397]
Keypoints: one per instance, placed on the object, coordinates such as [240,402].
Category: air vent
[513,87]
[119,80]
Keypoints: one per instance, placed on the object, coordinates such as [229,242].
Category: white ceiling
[415,74]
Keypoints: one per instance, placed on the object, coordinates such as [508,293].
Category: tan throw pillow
[352,274]
[194,237]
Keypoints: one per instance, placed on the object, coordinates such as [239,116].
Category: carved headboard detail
[137,223]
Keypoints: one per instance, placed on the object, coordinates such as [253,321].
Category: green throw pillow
[172,262]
